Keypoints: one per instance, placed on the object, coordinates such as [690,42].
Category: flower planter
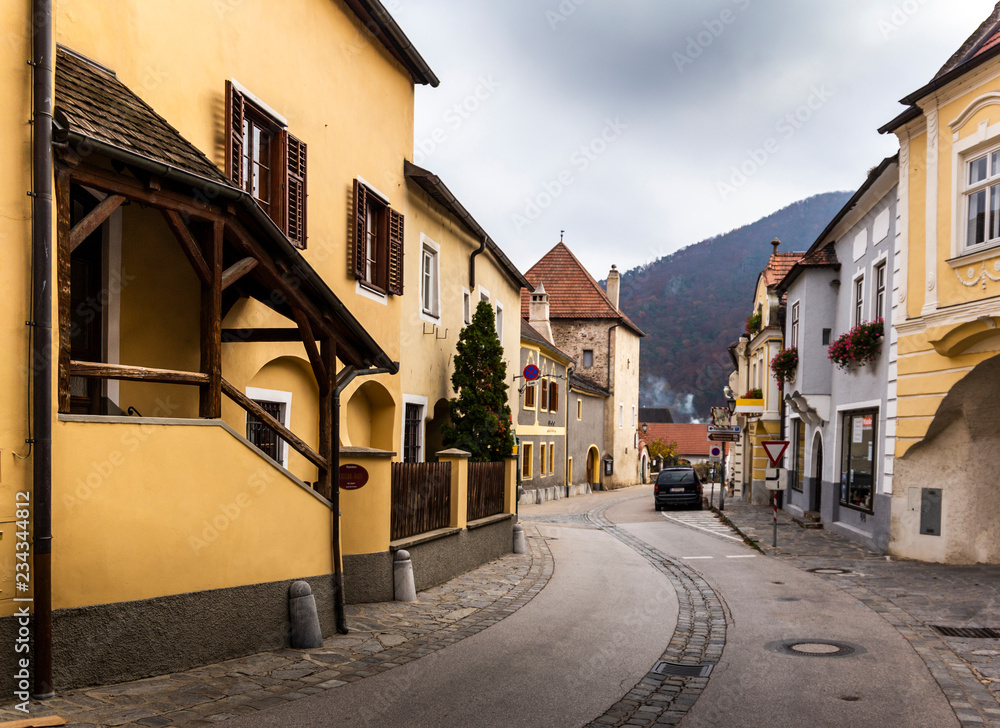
[859,346]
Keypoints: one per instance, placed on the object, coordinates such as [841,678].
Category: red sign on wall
[352,477]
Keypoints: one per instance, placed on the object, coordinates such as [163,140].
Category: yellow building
[249,285]
[945,374]
[759,409]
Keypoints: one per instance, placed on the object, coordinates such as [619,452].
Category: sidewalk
[910,595]
[383,636]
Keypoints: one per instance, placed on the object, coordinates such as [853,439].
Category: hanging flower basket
[859,346]
[753,323]
[784,364]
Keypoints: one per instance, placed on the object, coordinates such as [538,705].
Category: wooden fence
[421,498]
[486,490]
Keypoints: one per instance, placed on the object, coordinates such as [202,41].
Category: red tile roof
[778,266]
[691,439]
[573,292]
[985,37]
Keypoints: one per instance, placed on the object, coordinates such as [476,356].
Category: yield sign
[775,449]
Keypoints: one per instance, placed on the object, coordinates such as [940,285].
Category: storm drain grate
[672,668]
[971,632]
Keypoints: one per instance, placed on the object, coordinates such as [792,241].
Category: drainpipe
[41,341]
[472,265]
[339,608]
[569,373]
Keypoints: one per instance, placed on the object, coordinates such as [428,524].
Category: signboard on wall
[352,477]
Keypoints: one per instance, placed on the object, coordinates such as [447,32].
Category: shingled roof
[91,100]
[573,292]
[986,36]
[691,439]
[778,266]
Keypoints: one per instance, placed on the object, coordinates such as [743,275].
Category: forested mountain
[693,304]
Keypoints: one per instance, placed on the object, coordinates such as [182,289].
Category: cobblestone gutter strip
[699,639]
[384,636]
[973,703]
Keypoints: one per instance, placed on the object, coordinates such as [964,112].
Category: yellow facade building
[944,379]
[250,285]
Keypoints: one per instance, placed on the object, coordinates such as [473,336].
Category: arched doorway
[593,471]
[816,499]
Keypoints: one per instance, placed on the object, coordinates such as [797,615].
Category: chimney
[775,243]
[614,286]
[538,312]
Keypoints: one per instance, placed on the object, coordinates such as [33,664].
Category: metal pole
[774,540]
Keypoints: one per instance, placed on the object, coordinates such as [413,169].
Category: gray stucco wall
[585,432]
[112,643]
[852,389]
[554,421]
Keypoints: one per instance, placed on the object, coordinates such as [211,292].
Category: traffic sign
[723,437]
[775,450]
[776,479]
[731,429]
[715,453]
[531,373]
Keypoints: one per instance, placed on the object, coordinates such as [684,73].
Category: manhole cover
[969,632]
[828,570]
[672,668]
[814,648]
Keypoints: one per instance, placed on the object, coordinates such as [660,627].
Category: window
[430,289]
[794,336]
[529,397]
[579,409]
[264,160]
[798,448]
[621,416]
[378,241]
[827,336]
[982,195]
[553,395]
[588,358]
[412,433]
[552,457]
[859,300]
[880,290]
[499,321]
[569,471]
[527,452]
[277,404]
[859,438]
[466,307]
[544,388]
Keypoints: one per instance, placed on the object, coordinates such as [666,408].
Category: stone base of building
[437,557]
[534,496]
[113,643]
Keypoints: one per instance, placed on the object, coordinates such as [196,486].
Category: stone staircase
[809,519]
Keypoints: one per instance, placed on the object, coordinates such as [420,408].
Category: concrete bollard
[520,543]
[402,578]
[306,633]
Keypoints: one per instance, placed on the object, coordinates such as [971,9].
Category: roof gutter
[214,189]
[381,24]
[43,71]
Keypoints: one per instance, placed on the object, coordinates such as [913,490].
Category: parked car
[677,487]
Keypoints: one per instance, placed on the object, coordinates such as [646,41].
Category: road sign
[723,437]
[531,373]
[776,479]
[731,429]
[775,450]
[715,453]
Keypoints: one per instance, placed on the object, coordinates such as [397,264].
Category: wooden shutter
[394,284]
[295,191]
[554,396]
[360,230]
[545,395]
[234,134]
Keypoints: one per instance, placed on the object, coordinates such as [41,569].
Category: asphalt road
[606,616]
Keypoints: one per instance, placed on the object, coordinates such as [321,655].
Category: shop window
[859,442]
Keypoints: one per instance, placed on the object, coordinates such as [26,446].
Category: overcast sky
[642,126]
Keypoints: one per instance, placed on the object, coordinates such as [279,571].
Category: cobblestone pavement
[383,636]
[909,595]
[698,639]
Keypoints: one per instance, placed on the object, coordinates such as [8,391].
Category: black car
[677,487]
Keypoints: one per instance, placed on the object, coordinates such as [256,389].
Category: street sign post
[531,373]
[715,454]
[722,437]
[729,429]
[775,450]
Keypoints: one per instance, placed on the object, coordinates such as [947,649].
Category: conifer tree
[480,414]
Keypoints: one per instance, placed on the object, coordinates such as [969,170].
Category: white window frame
[430,311]
[422,402]
[879,288]
[498,320]
[858,299]
[985,140]
[359,288]
[484,295]
[794,334]
[274,396]
[466,306]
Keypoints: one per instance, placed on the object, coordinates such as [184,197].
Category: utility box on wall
[930,511]
[609,466]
